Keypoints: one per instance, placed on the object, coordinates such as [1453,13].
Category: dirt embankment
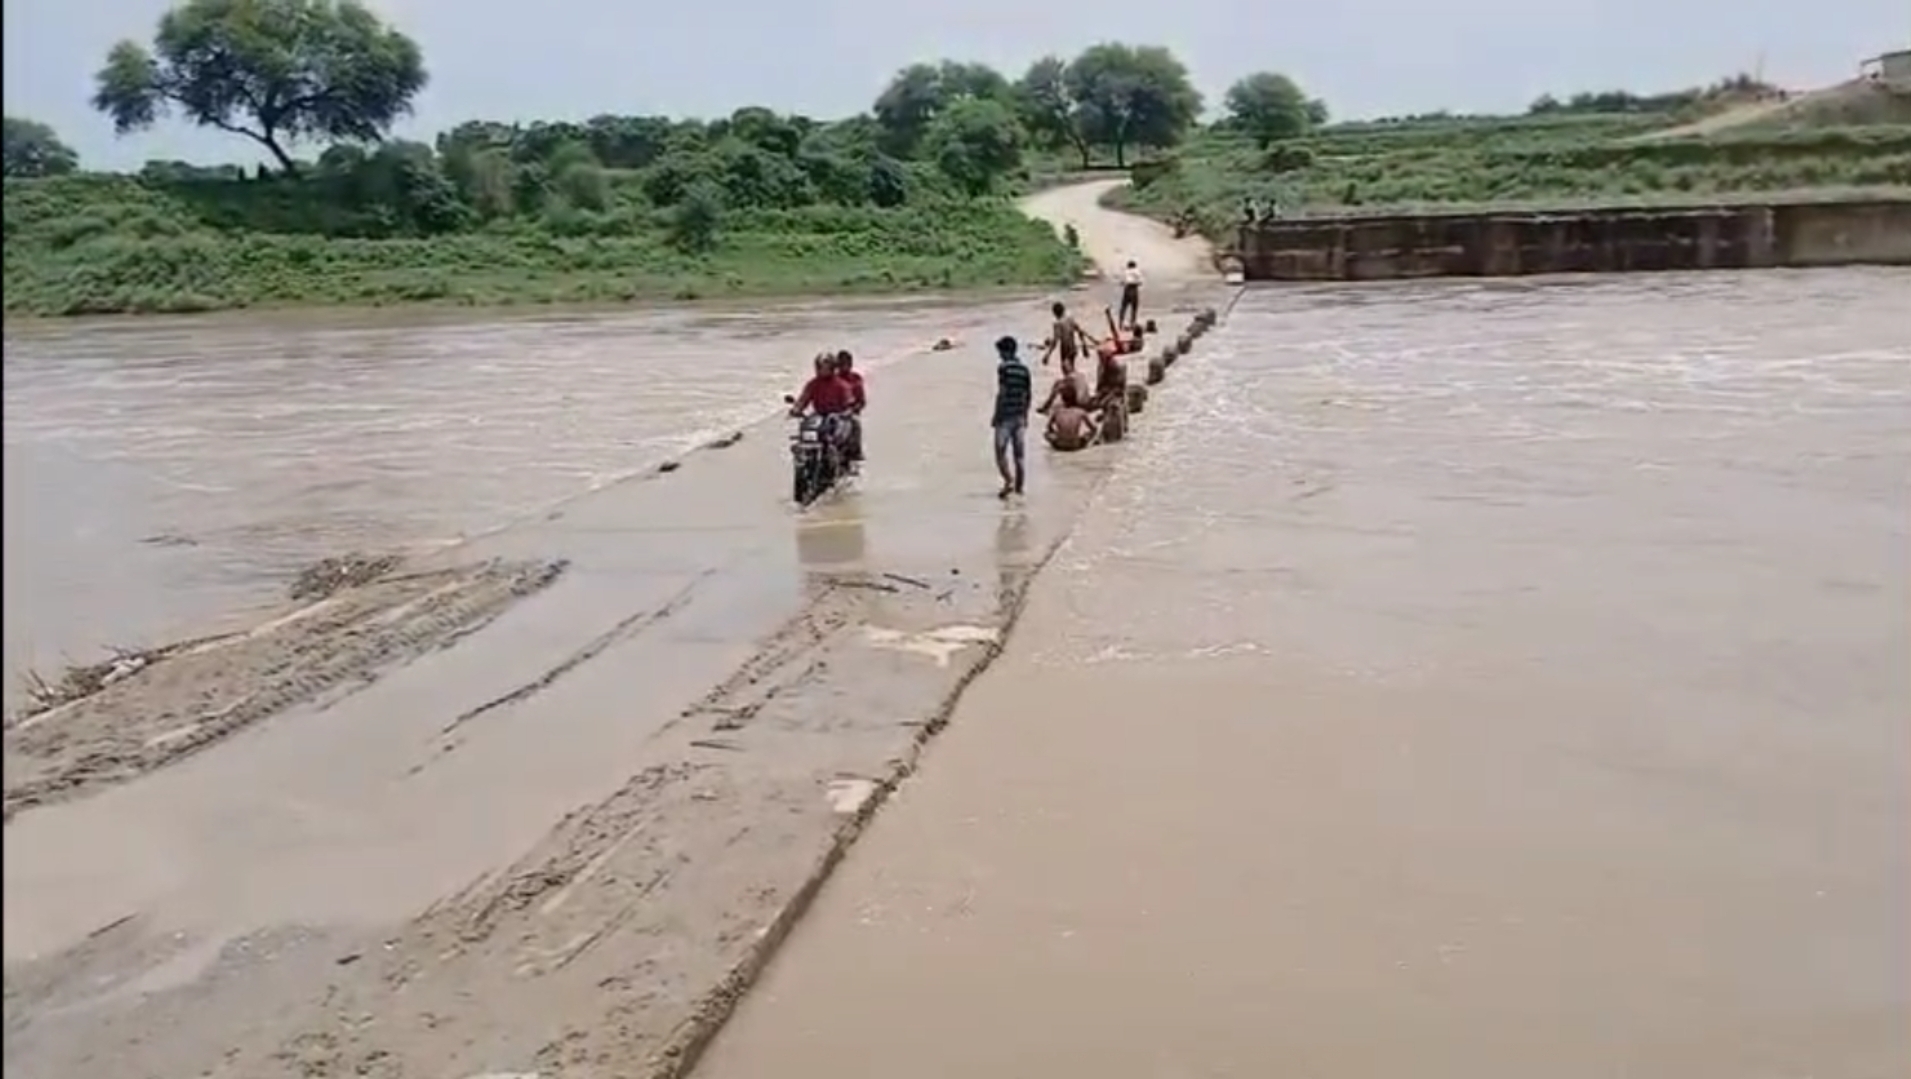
[108,723]
[1860,101]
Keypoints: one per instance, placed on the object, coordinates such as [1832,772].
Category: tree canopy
[274,71]
[285,72]
[1047,111]
[34,150]
[282,72]
[1269,107]
[1130,95]
[975,142]
[921,92]
[1112,96]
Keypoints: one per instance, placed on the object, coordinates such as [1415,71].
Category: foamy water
[1347,467]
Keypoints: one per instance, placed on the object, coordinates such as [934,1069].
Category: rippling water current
[160,473]
[1666,519]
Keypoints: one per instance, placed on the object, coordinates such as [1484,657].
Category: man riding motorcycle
[830,396]
[858,400]
[827,393]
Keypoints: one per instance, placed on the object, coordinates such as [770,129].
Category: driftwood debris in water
[329,576]
[82,680]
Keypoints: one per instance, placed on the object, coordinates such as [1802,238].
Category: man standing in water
[1129,313]
[1014,393]
[1065,337]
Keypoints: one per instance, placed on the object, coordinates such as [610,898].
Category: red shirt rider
[846,370]
[827,393]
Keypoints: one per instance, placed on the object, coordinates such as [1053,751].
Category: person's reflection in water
[1012,554]
[830,538]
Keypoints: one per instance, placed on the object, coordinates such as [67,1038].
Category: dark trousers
[853,438]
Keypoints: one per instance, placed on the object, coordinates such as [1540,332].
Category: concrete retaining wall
[1586,241]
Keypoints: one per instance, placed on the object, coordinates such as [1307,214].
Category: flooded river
[1700,482]
[1454,679]
[1555,634]
[160,474]
[1598,596]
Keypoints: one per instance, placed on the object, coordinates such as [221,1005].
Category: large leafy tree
[33,150]
[1047,112]
[975,142]
[921,92]
[274,71]
[1269,107]
[1128,95]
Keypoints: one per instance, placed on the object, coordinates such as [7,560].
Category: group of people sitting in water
[1077,416]
[1072,408]
[1075,411]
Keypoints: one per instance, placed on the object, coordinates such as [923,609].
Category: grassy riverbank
[912,194]
[1513,162]
[108,244]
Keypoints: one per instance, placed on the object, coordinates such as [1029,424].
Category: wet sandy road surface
[1501,679]
[696,693]
[162,475]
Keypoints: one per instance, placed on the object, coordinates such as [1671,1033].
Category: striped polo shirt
[1014,391]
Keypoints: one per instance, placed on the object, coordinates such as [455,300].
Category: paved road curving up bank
[1110,238]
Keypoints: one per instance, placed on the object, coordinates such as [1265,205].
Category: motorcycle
[818,456]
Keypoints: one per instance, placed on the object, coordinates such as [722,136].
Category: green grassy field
[109,244]
[647,208]
[1524,162]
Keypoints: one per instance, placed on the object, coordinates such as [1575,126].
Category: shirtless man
[1069,390]
[1070,425]
[1071,429]
[1111,376]
[1066,337]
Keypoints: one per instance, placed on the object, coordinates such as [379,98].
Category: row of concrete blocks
[1158,366]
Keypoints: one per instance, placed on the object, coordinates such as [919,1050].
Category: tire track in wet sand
[191,699]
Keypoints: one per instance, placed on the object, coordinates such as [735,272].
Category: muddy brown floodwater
[158,475]
[1447,679]
[533,797]
[1454,680]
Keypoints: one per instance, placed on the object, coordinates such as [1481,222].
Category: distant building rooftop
[1893,67]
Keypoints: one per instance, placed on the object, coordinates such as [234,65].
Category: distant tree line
[1610,102]
[33,150]
[289,73]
